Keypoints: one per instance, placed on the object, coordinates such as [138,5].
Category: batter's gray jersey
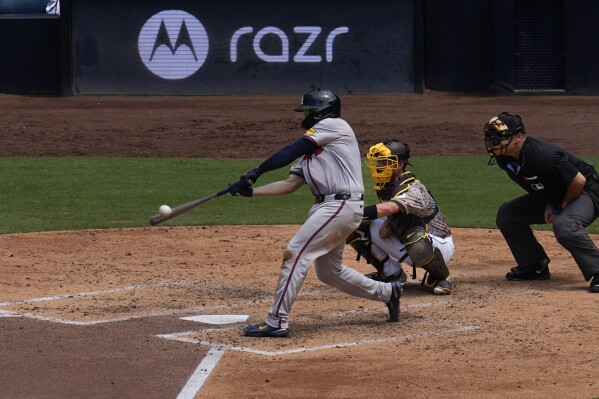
[335,166]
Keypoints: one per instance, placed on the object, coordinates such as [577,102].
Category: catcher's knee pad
[419,247]
[360,241]
[353,238]
[361,233]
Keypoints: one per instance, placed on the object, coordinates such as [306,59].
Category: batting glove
[236,189]
[249,178]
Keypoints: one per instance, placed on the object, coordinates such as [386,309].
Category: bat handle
[222,192]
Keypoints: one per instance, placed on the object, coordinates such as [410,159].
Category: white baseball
[165,211]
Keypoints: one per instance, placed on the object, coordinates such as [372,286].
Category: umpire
[562,190]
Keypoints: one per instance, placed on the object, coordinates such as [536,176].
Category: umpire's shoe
[393,304]
[595,283]
[264,330]
[537,271]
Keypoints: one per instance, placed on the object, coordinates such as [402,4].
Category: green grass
[41,194]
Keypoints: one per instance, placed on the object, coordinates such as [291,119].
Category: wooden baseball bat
[178,210]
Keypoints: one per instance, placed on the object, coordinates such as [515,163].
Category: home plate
[218,318]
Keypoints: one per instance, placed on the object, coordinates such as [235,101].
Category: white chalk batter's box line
[184,337]
[83,295]
[110,291]
[216,351]
[203,309]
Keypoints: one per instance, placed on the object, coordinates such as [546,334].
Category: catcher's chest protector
[396,187]
[399,221]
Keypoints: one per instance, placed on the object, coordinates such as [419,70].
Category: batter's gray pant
[515,217]
[321,240]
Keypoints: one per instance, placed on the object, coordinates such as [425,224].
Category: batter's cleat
[393,304]
[264,330]
[595,283]
[400,276]
[442,287]
[537,271]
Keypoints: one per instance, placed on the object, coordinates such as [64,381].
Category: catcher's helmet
[498,133]
[318,105]
[383,158]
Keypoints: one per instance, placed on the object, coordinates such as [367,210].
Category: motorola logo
[173,44]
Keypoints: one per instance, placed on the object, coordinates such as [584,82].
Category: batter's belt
[338,197]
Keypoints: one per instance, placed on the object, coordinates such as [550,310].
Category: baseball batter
[329,163]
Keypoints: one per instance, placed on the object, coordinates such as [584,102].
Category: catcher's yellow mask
[381,163]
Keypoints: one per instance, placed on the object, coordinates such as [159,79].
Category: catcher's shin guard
[422,252]
[437,267]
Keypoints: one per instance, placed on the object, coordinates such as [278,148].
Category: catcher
[414,230]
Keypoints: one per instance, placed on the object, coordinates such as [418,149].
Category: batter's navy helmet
[318,105]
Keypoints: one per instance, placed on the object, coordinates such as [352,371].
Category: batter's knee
[325,273]
[288,254]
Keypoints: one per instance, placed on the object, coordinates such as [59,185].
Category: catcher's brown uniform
[421,210]
[414,231]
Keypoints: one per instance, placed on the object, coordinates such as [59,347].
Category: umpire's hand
[551,213]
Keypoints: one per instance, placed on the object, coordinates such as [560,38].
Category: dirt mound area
[97,313]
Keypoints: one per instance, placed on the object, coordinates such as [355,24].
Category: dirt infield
[98,313]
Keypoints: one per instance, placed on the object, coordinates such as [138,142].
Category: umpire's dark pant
[515,217]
